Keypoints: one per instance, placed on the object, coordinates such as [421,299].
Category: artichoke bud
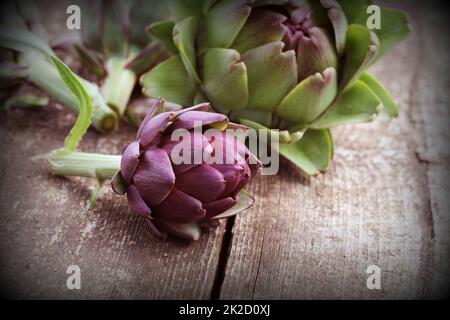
[313,46]
[296,28]
[315,53]
[177,198]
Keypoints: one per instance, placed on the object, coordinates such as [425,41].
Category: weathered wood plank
[433,110]
[45,226]
[315,238]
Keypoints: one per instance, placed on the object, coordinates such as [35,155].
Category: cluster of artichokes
[297,66]
[292,68]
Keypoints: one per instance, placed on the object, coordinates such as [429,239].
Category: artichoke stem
[82,164]
[118,85]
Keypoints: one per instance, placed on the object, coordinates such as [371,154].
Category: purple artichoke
[179,199]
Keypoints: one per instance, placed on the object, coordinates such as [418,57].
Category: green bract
[295,66]
[25,55]
[116,47]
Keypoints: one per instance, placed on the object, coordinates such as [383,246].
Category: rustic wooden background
[385,202]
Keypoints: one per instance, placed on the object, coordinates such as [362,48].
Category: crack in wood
[426,220]
[223,259]
[259,264]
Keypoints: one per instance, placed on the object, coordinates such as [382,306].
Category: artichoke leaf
[95,192]
[362,46]
[200,98]
[329,15]
[394,23]
[355,105]
[390,109]
[169,80]
[261,117]
[25,101]
[182,9]
[147,58]
[338,21]
[162,31]
[272,73]
[355,10]
[224,21]
[12,71]
[309,98]
[30,13]
[187,231]
[225,79]
[207,5]
[312,154]
[281,136]
[85,115]
[23,41]
[118,184]
[316,53]
[261,28]
[184,39]
[244,201]
[394,28]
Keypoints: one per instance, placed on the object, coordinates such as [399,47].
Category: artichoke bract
[176,197]
[296,67]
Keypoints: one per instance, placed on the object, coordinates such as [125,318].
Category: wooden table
[385,202]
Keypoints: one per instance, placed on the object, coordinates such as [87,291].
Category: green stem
[119,84]
[82,164]
[44,75]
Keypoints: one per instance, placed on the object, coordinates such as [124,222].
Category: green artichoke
[116,47]
[296,67]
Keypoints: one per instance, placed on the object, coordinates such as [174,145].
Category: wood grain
[45,226]
[384,202]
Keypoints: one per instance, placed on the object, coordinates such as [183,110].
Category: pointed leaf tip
[244,201]
[312,154]
[85,104]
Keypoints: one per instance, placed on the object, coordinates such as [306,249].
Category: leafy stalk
[18,22]
[25,101]
[69,162]
[118,85]
[83,164]
[85,114]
